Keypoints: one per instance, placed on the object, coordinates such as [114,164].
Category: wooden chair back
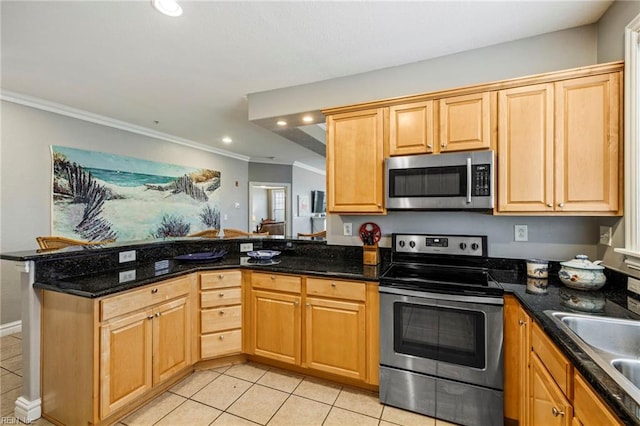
[53,242]
[207,233]
[322,234]
[232,233]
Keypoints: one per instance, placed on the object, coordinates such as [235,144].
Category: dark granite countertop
[615,299]
[115,281]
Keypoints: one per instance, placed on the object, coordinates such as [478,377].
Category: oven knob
[412,244]
[463,246]
[474,246]
[401,243]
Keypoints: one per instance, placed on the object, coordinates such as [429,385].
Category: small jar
[537,268]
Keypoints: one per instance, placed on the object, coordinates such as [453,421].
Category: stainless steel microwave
[455,181]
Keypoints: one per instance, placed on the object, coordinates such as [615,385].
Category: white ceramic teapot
[582,274]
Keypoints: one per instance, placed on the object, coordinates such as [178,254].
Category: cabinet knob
[221,312]
[273,277]
[222,337]
[221,295]
[158,314]
[430,146]
[221,276]
[443,145]
[379,205]
[307,304]
[154,291]
[561,205]
[333,284]
[150,317]
[549,205]
[296,303]
[556,412]
[522,322]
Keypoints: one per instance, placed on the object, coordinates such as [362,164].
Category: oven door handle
[469,183]
[444,296]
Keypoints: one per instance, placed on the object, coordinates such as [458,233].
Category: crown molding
[90,117]
[310,168]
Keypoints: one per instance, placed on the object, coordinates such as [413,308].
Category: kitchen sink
[612,343]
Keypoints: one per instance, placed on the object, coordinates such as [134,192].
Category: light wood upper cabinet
[559,147]
[465,122]
[587,114]
[411,128]
[525,149]
[355,162]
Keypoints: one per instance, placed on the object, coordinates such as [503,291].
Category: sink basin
[629,369]
[608,334]
[612,343]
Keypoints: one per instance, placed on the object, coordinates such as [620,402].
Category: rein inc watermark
[13,421]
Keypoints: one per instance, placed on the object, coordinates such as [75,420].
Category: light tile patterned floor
[245,394]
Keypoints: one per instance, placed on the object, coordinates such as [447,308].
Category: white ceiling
[124,60]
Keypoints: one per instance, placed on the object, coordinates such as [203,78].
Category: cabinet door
[516,359]
[411,128]
[355,162]
[588,406]
[275,326]
[525,149]
[171,339]
[587,143]
[548,405]
[465,122]
[125,360]
[336,337]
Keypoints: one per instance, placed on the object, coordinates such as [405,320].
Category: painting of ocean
[98,196]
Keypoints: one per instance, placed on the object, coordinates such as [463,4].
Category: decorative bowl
[263,254]
[582,274]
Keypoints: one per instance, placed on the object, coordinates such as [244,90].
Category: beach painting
[98,196]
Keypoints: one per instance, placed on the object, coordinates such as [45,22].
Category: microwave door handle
[468,180]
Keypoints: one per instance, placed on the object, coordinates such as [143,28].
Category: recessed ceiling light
[281,123]
[307,119]
[168,7]
[227,139]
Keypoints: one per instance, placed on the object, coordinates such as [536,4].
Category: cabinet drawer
[133,300]
[338,289]
[276,282]
[219,319]
[221,297]
[218,279]
[223,343]
[559,367]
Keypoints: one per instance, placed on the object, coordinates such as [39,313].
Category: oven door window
[448,181]
[455,336]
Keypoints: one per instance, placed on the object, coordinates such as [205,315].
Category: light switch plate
[126,276]
[347,229]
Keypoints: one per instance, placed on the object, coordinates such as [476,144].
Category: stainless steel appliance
[441,330]
[455,181]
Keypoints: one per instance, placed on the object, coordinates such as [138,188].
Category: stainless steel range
[441,330]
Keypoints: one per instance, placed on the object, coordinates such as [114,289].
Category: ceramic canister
[537,268]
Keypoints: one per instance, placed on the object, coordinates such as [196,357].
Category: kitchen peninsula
[305,272]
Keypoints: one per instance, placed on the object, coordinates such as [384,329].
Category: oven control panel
[469,245]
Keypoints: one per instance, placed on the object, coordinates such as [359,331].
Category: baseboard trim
[10,328]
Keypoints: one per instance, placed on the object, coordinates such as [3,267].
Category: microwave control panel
[481,180]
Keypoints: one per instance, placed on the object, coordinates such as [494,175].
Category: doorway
[269,200]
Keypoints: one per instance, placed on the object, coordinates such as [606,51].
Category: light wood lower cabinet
[541,385]
[102,356]
[320,324]
[220,313]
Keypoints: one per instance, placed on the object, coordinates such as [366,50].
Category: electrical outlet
[633,285]
[127,256]
[347,229]
[521,233]
[605,235]
[244,247]
[126,276]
